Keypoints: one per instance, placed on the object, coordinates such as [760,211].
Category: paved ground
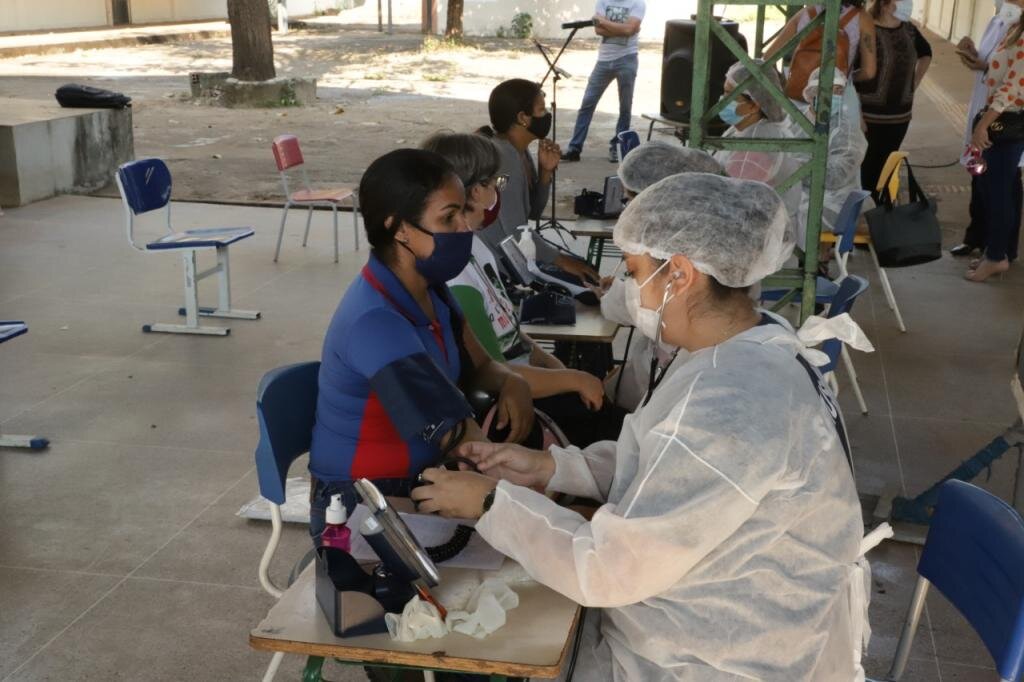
[120,555]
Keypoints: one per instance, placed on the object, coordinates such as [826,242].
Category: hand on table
[579,268]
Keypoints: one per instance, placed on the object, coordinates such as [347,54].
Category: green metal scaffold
[799,282]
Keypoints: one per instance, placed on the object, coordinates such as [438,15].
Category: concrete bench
[47,150]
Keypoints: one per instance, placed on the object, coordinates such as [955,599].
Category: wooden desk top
[600,228]
[590,327]
[534,642]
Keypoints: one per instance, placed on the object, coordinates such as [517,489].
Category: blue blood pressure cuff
[420,399]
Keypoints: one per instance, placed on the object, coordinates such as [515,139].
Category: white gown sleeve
[585,473]
[704,470]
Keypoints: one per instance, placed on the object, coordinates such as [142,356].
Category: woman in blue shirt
[397,357]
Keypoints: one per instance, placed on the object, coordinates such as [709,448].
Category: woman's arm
[924,57]
[538,356]
[548,382]
[515,404]
[787,32]
[920,70]
[867,50]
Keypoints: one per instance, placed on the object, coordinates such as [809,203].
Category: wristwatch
[489,500]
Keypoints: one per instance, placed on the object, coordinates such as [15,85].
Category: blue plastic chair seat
[197,239]
[11,328]
[825,290]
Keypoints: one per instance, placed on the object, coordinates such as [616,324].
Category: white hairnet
[811,89]
[657,159]
[736,231]
[772,110]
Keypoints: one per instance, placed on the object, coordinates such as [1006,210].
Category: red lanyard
[434,325]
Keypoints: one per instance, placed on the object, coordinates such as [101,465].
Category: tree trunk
[251,46]
[454,26]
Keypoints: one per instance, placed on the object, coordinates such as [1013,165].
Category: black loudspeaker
[677,67]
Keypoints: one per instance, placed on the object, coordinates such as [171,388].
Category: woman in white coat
[647,164]
[730,518]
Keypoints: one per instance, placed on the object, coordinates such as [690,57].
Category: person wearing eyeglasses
[571,397]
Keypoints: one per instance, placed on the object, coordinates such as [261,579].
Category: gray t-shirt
[522,201]
[619,11]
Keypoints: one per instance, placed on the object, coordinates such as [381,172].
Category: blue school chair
[849,289]
[286,410]
[973,555]
[145,186]
[10,329]
[628,140]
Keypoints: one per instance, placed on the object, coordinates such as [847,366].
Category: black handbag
[86,96]
[905,234]
[1009,127]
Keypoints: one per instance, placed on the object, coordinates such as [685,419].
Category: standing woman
[887,100]
[860,33]
[998,183]
[975,58]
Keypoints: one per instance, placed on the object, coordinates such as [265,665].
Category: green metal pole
[759,32]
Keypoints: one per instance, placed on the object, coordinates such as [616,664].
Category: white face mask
[1010,13]
[904,8]
[647,321]
[999,5]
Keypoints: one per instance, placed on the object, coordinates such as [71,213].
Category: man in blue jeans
[618,23]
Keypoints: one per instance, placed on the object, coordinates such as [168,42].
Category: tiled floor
[120,554]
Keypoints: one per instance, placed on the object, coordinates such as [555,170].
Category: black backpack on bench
[88,97]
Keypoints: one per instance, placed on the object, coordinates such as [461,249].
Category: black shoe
[962,250]
[571,155]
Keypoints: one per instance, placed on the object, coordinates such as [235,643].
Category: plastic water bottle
[337,534]
[976,164]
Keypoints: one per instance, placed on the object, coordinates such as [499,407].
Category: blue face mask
[452,251]
[837,105]
[729,114]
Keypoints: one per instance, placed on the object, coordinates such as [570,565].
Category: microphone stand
[557,74]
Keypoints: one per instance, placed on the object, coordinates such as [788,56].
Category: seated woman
[846,148]
[520,117]
[638,170]
[727,541]
[756,114]
[395,354]
[571,397]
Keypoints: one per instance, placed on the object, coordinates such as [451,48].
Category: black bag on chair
[905,234]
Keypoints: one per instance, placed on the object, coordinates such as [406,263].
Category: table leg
[650,130]
[314,665]
[600,254]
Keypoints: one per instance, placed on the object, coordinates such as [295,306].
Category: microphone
[578,24]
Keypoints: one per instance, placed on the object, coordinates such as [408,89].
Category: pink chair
[288,155]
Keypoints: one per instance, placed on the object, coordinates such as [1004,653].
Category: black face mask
[540,126]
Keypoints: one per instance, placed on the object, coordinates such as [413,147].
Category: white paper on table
[430,530]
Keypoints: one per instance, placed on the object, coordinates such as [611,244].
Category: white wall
[158,11]
[484,17]
[954,19]
[31,15]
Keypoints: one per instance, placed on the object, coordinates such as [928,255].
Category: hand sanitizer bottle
[337,534]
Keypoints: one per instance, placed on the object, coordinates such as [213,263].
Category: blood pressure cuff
[420,399]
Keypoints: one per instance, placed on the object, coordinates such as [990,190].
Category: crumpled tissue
[484,613]
[817,329]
